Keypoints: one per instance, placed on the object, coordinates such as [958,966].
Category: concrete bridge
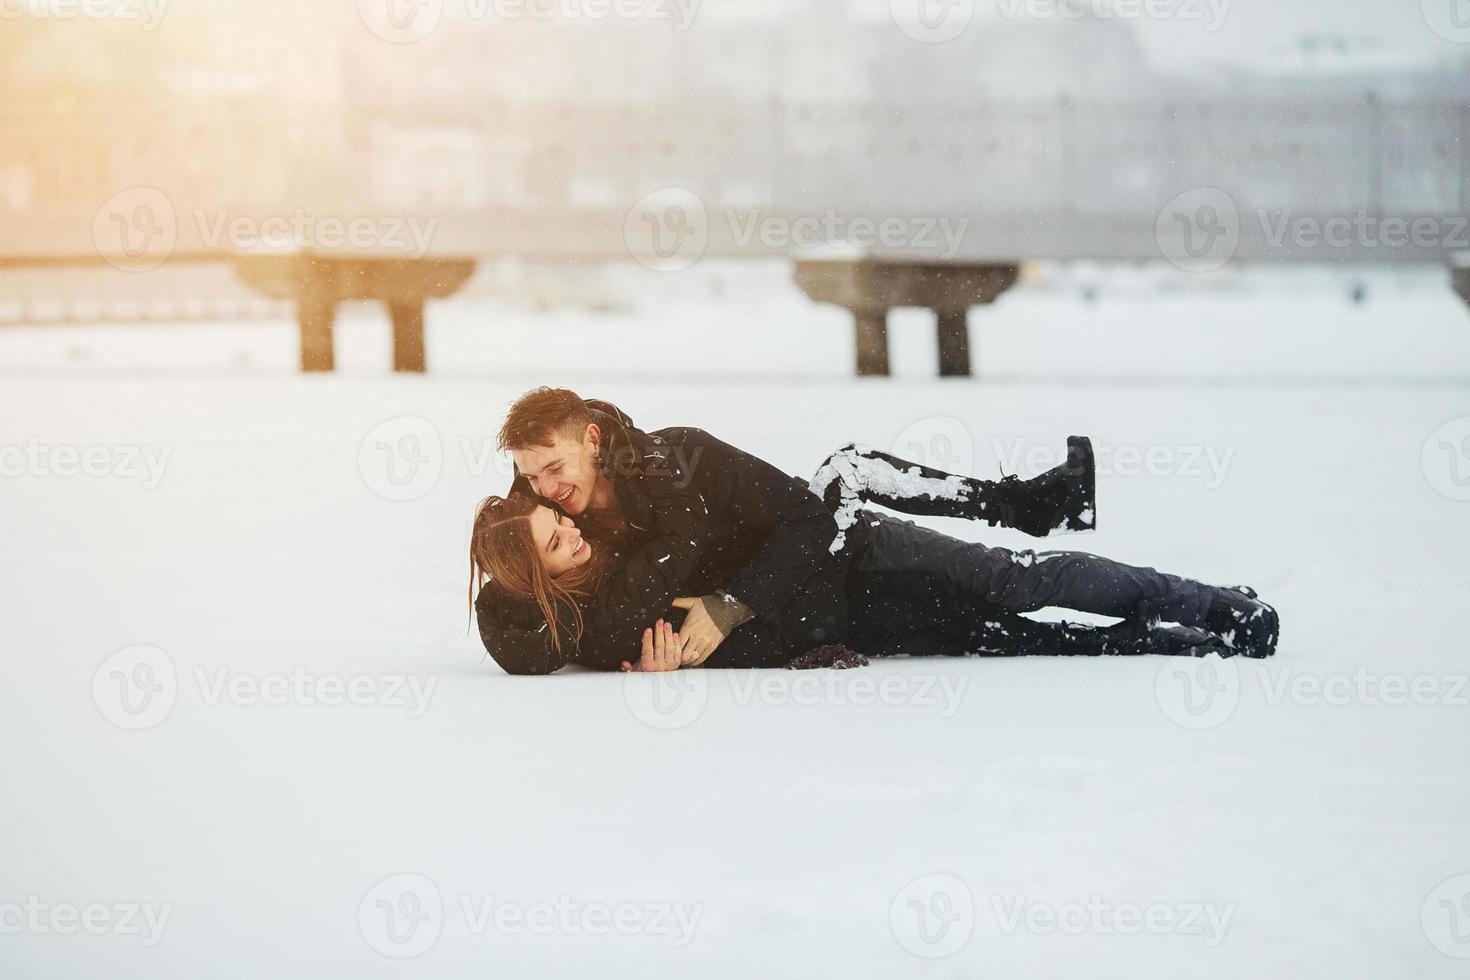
[877,206]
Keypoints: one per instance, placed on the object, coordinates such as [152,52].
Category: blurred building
[290,102]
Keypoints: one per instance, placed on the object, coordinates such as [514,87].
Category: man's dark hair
[539,414]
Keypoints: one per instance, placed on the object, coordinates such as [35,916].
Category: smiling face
[565,472]
[559,544]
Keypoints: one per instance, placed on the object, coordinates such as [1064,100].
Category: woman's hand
[663,649]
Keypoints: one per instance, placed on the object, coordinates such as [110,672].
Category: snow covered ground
[249,732]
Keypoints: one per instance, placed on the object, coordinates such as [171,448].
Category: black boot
[1246,624]
[1134,639]
[1009,635]
[1064,498]
[1131,637]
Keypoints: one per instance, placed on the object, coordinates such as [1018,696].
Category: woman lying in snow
[885,587]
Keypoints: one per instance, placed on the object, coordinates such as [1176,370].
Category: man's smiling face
[565,472]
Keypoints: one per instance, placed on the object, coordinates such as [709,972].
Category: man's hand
[701,635]
[663,649]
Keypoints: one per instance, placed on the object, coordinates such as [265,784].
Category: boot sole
[1081,457]
[1255,642]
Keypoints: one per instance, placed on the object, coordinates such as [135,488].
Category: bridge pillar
[872,341]
[1460,278]
[319,283]
[954,342]
[872,287]
[316,313]
[408,336]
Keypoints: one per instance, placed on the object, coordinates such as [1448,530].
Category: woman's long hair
[503,551]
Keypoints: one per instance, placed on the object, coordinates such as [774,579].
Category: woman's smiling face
[559,542]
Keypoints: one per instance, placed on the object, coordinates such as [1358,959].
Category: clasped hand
[665,649]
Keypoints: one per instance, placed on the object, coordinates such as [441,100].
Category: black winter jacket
[704,517]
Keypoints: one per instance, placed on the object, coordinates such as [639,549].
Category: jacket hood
[621,454]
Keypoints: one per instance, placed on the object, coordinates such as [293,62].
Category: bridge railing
[1056,179]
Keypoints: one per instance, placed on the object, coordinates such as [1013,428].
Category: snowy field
[249,732]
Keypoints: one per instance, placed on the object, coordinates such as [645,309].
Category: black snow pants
[1018,581]
[896,588]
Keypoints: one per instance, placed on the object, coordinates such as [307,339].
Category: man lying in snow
[608,529]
